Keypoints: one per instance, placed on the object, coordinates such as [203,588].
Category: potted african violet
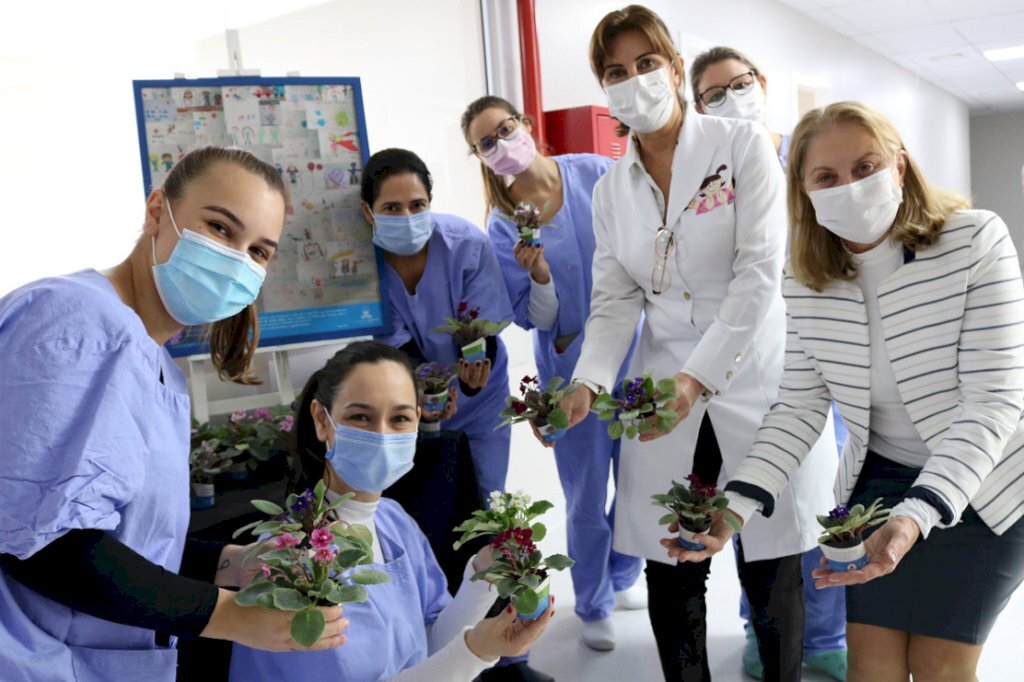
[842,541]
[637,407]
[433,380]
[205,462]
[526,217]
[539,407]
[693,507]
[470,332]
[520,572]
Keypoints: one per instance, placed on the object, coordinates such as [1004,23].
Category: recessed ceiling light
[1004,54]
[950,56]
[1020,86]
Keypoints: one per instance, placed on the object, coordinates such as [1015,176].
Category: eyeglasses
[506,130]
[661,276]
[715,97]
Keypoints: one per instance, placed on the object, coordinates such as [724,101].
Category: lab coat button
[739,356]
[686,295]
[728,375]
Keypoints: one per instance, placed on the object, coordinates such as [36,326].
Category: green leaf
[287,599]
[540,531]
[733,523]
[268,527]
[666,519]
[666,425]
[666,413]
[631,432]
[537,508]
[506,586]
[250,595]
[268,507]
[559,419]
[605,416]
[615,430]
[558,562]
[666,386]
[344,594]
[307,627]
[245,528]
[347,558]
[530,580]
[526,601]
[370,576]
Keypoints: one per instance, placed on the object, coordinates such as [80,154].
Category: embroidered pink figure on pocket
[714,192]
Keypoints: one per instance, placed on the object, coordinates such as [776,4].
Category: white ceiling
[940,40]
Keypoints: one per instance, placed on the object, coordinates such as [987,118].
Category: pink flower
[266,571]
[262,413]
[237,416]
[321,537]
[287,423]
[324,555]
[287,541]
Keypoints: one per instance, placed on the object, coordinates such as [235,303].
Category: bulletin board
[325,281]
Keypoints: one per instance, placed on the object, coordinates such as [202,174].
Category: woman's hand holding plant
[506,635]
[885,548]
[531,259]
[688,391]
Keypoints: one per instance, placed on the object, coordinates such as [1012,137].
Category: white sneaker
[633,597]
[599,635]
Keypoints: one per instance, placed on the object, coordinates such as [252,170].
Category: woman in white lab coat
[690,227]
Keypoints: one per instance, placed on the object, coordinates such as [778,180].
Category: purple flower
[288,423]
[262,413]
[304,502]
[324,555]
[839,514]
[321,537]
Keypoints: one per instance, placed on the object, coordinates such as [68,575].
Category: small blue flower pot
[530,238]
[435,402]
[549,433]
[202,496]
[475,352]
[686,540]
[843,559]
[544,592]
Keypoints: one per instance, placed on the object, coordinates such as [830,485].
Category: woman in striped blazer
[907,309]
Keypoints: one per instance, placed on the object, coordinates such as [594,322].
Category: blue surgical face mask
[203,280]
[403,235]
[368,461]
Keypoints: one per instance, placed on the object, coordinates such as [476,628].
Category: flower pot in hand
[845,556]
[475,351]
[435,402]
[430,427]
[530,236]
[686,540]
[550,433]
[543,600]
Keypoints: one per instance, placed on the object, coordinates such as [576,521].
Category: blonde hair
[496,194]
[645,22]
[817,256]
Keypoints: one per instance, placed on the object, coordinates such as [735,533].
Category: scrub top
[95,422]
[460,267]
[387,633]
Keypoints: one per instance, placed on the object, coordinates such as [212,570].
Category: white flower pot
[430,426]
[686,540]
[202,496]
[843,559]
[435,402]
[530,237]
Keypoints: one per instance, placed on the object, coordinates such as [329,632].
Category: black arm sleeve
[113,582]
[201,560]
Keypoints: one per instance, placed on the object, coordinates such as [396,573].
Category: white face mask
[859,212]
[643,102]
[749,106]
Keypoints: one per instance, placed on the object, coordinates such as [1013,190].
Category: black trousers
[678,610]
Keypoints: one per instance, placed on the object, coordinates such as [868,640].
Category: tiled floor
[561,653]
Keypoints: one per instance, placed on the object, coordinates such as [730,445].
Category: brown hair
[642,20]
[232,341]
[817,256]
[714,56]
[495,191]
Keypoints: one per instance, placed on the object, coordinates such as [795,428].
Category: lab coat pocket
[123,665]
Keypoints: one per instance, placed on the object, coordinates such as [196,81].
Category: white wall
[70,177]
[997,158]
[788,47]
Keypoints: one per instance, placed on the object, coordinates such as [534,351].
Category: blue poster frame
[191,348]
